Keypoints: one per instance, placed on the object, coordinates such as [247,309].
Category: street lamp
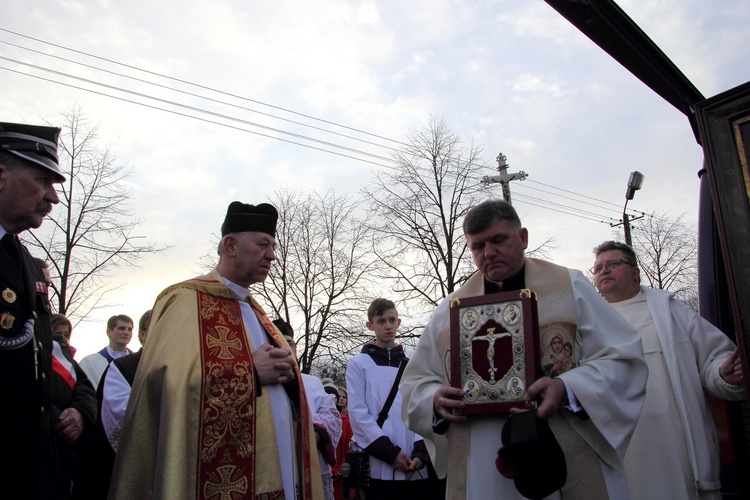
[635,181]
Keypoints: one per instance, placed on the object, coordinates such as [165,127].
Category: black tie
[11,246]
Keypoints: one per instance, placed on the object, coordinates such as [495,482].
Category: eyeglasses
[610,264]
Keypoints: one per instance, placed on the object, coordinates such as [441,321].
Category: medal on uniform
[7,320]
[9,295]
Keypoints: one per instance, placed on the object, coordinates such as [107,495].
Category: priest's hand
[69,425]
[731,369]
[552,393]
[448,399]
[274,365]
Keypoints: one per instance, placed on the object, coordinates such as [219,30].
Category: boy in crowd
[396,453]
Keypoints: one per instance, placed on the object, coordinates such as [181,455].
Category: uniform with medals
[28,459]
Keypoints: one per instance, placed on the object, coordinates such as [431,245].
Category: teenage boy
[396,453]
[119,332]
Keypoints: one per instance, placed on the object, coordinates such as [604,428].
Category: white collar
[240,290]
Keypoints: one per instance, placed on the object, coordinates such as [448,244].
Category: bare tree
[667,250]
[417,210]
[319,282]
[92,230]
[544,250]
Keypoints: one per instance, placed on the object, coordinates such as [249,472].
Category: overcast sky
[510,76]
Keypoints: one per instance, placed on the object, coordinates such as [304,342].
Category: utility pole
[504,178]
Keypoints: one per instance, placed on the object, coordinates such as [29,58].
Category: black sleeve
[383,449]
[325,438]
[420,452]
[256,377]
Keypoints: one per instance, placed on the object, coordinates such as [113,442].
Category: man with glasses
[674,451]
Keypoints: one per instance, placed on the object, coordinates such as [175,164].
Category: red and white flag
[62,366]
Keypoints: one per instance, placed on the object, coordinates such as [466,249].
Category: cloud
[507,75]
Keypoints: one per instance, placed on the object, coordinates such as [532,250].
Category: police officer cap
[244,217]
[32,143]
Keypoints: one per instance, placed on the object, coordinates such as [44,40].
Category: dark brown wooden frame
[724,125]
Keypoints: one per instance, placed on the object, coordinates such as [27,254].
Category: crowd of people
[214,405]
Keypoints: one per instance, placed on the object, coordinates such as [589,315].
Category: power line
[196,109]
[563,196]
[578,194]
[611,208]
[557,207]
[191,94]
[201,110]
[204,87]
[573,214]
[196,118]
[550,205]
[567,207]
[573,211]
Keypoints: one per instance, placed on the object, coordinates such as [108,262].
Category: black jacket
[28,462]
[82,397]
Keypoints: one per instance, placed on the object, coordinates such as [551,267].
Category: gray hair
[220,246]
[12,162]
[626,250]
